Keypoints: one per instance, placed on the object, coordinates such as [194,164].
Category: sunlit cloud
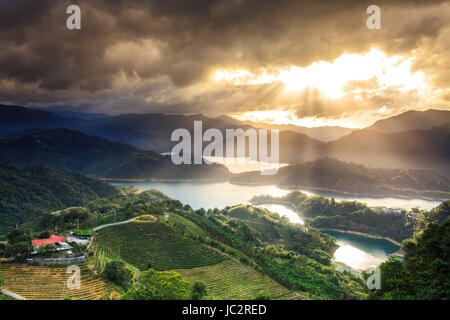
[307,62]
[359,87]
[331,78]
[289,118]
[268,116]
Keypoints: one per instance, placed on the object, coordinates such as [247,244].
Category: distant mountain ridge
[414,148]
[16,118]
[95,156]
[412,120]
[324,134]
[71,113]
[407,149]
[334,175]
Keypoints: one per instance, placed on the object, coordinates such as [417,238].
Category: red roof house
[52,239]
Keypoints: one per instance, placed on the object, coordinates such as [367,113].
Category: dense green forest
[334,175]
[325,213]
[424,274]
[30,191]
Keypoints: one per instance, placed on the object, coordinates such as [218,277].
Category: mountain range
[410,140]
[412,120]
[338,176]
[97,157]
[94,156]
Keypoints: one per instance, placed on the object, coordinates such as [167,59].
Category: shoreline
[346,193]
[292,206]
[358,233]
[275,201]
[159,180]
[285,187]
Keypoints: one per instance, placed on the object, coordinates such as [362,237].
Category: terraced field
[49,283]
[188,225]
[233,280]
[155,243]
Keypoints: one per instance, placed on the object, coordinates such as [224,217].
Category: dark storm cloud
[136,51]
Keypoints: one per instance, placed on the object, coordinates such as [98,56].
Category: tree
[262,295]
[19,235]
[143,292]
[155,285]
[198,291]
[201,212]
[424,275]
[117,272]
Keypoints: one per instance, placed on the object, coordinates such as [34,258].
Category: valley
[312,231]
[200,158]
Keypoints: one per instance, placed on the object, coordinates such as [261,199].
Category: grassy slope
[155,243]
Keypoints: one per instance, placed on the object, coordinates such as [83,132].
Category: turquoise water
[360,253]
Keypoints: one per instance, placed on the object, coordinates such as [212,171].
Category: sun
[331,78]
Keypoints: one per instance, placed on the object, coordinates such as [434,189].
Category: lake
[355,253]
[283,211]
[221,194]
[358,253]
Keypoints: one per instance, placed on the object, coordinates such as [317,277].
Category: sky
[308,63]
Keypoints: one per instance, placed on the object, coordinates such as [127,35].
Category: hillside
[410,140]
[29,191]
[325,133]
[152,243]
[16,118]
[236,282]
[155,244]
[149,131]
[423,273]
[325,213]
[408,149]
[157,126]
[95,156]
[412,120]
[71,112]
[228,243]
[334,175]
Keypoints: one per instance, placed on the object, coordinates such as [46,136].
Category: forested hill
[325,213]
[95,156]
[424,273]
[28,191]
[334,175]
